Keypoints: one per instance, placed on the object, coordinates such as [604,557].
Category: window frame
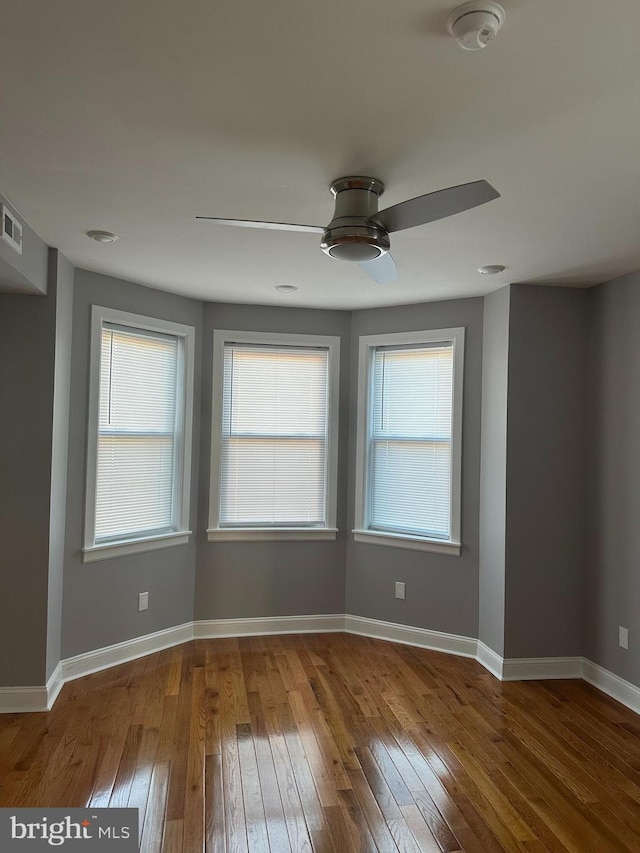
[362,532]
[92,551]
[215,533]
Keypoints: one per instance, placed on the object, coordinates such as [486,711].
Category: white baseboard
[263,626]
[490,660]
[437,641]
[100,659]
[19,700]
[539,669]
[623,691]
[54,686]
[41,698]
[528,669]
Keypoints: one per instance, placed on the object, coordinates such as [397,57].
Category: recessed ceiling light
[286,288]
[102,236]
[491,269]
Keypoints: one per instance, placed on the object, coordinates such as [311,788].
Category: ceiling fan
[360,232]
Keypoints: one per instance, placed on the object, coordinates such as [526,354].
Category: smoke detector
[475,24]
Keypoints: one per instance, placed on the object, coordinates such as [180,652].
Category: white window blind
[410,440]
[137,434]
[274,436]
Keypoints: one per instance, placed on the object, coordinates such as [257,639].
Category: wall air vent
[11,229]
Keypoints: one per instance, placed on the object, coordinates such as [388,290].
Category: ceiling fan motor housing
[352,235]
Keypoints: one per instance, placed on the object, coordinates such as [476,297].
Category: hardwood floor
[333,743]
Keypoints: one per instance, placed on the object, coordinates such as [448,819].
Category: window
[274,442]
[140,416]
[409,440]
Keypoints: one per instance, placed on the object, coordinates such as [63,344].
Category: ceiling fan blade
[433,206]
[275,226]
[382,270]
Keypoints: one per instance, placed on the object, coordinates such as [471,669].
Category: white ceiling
[135,117]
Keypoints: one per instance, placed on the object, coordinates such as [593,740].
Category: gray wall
[547,456]
[250,579]
[101,599]
[441,590]
[26,272]
[27,351]
[613,573]
[493,470]
[549,563]
[60,287]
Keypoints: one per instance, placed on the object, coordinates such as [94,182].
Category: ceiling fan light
[356,252]
[356,243]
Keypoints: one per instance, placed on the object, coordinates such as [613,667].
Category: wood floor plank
[111,745]
[419,826]
[272,801]
[321,841]
[333,743]
[304,780]
[195,786]
[319,763]
[214,805]
[127,768]
[141,782]
[172,838]
[378,784]
[358,827]
[297,829]
[153,825]
[234,814]
[255,819]
[340,833]
[403,837]
[372,814]
[177,781]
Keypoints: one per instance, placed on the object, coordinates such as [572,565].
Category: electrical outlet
[400,590]
[143,601]
[623,637]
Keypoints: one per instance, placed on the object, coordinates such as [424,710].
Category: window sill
[269,534]
[134,546]
[413,543]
